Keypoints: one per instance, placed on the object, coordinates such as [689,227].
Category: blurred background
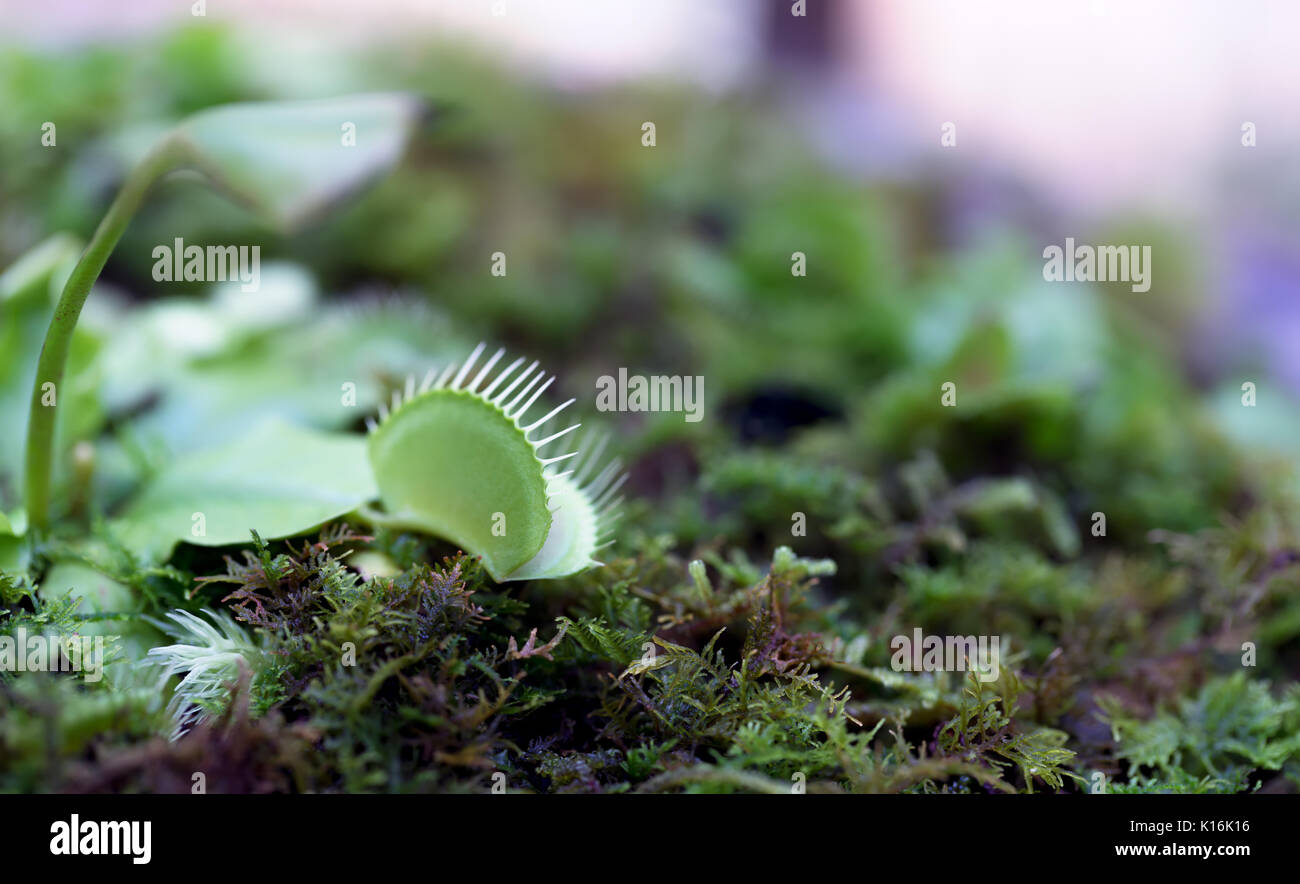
[820,133]
[1085,118]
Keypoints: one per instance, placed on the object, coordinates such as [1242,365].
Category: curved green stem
[58,338]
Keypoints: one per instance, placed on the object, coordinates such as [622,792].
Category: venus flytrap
[455,457]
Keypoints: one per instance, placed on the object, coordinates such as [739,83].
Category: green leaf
[279,480]
[38,272]
[288,160]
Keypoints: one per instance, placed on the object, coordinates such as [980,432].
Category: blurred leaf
[289,160]
[279,480]
[38,272]
[215,378]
